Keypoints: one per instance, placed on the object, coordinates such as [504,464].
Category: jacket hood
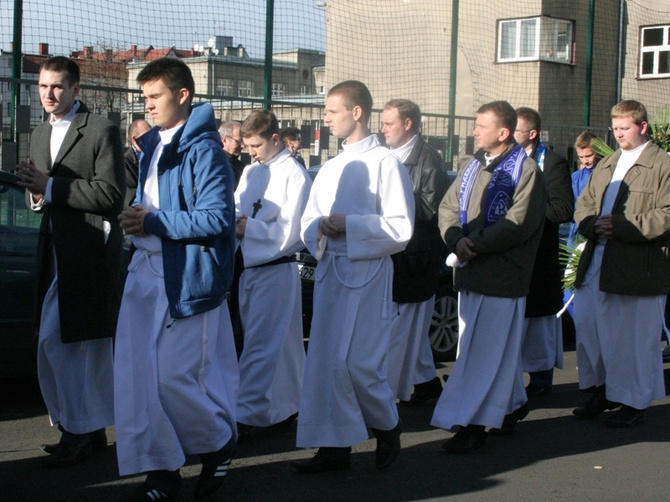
[200,125]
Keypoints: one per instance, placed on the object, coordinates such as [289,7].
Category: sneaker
[159,485]
[215,467]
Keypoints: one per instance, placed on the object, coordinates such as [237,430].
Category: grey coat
[87,191]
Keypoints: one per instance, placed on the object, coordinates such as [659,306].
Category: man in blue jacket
[175,370]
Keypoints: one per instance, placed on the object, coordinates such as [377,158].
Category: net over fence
[569,59]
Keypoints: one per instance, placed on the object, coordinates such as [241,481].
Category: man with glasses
[233,144]
[542,346]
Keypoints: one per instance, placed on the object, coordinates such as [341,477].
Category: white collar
[67,119]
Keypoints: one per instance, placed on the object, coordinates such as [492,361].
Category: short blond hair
[630,108]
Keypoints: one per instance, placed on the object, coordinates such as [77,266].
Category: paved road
[551,456]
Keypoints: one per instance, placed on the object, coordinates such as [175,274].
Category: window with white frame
[223,87]
[277,90]
[535,39]
[655,51]
[245,88]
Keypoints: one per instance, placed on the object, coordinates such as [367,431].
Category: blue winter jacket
[196,220]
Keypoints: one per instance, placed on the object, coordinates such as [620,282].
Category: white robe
[273,358]
[76,379]
[410,360]
[542,346]
[486,382]
[618,341]
[345,389]
[175,381]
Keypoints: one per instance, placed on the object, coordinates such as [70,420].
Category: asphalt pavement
[551,456]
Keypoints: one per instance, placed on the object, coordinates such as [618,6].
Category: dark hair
[504,113]
[292,133]
[406,110]
[354,93]
[531,117]
[261,123]
[174,73]
[66,65]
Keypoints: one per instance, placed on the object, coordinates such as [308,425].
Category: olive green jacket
[506,249]
[635,260]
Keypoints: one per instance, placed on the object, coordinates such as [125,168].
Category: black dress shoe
[627,416]
[388,446]
[533,390]
[425,393]
[67,453]
[326,459]
[467,439]
[510,420]
[596,404]
[98,442]
[215,466]
[159,485]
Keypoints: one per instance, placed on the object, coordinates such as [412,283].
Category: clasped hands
[333,225]
[603,226]
[131,220]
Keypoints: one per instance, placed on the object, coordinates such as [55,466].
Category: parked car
[443,332]
[19,229]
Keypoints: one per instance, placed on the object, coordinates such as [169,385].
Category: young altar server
[360,211]
[269,201]
[175,368]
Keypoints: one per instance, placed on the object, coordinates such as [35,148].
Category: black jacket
[546,290]
[416,269]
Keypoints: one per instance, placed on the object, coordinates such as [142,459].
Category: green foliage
[601,148]
[659,130]
[569,257]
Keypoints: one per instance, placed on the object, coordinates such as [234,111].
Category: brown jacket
[635,260]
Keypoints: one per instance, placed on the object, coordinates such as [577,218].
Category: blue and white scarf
[500,192]
[540,153]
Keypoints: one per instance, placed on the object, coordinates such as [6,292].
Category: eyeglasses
[521,131]
[238,141]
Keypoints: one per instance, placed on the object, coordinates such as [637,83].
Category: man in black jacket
[416,269]
[542,346]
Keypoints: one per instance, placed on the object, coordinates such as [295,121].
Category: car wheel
[444,328]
